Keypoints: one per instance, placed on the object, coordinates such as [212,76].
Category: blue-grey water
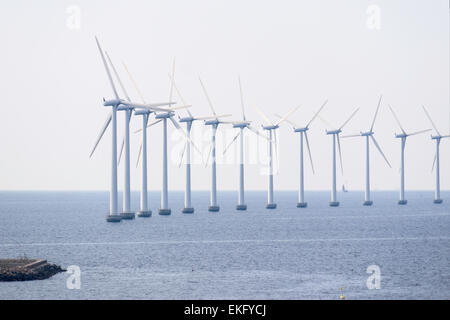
[287,253]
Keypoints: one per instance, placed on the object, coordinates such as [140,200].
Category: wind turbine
[187,150]
[116,104]
[369,135]
[335,133]
[437,138]
[241,125]
[272,134]
[303,133]
[402,136]
[214,123]
[164,210]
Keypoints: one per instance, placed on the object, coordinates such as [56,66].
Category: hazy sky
[287,53]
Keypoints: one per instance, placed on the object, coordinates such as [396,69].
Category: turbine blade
[340,153]
[287,115]
[134,83]
[351,136]
[121,150]
[317,113]
[293,124]
[262,115]
[376,113]
[379,149]
[257,133]
[207,97]
[352,115]
[419,132]
[212,117]
[434,162]
[151,106]
[117,76]
[326,122]
[177,126]
[107,69]
[139,155]
[172,76]
[242,99]
[150,124]
[179,95]
[182,154]
[276,147]
[102,132]
[429,118]
[396,119]
[309,152]
[234,139]
[209,154]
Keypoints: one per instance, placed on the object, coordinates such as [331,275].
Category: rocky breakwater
[27,269]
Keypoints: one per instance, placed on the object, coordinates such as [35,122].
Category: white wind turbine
[369,135]
[241,125]
[403,137]
[336,139]
[272,142]
[116,104]
[303,132]
[437,138]
[187,150]
[214,123]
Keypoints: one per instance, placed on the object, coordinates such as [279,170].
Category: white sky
[287,53]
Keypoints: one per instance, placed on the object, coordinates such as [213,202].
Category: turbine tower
[368,135]
[214,123]
[303,133]
[241,125]
[336,139]
[271,128]
[402,136]
[437,138]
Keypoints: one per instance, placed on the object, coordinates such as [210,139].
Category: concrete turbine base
[367,203]
[144,214]
[302,204]
[241,207]
[402,202]
[113,218]
[127,215]
[188,210]
[438,201]
[165,212]
[213,208]
[334,203]
[271,206]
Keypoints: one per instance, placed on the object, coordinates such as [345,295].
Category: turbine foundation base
[437,201]
[164,212]
[127,215]
[334,203]
[302,204]
[213,208]
[113,218]
[144,214]
[402,202]
[271,206]
[188,210]
[367,203]
[241,207]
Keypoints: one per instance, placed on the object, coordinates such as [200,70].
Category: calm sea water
[287,253]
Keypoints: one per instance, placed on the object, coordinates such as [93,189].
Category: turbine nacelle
[242,124]
[211,122]
[301,129]
[141,112]
[401,135]
[367,134]
[186,119]
[112,103]
[272,127]
[333,131]
[164,115]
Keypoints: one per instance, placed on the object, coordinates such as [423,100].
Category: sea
[385,251]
